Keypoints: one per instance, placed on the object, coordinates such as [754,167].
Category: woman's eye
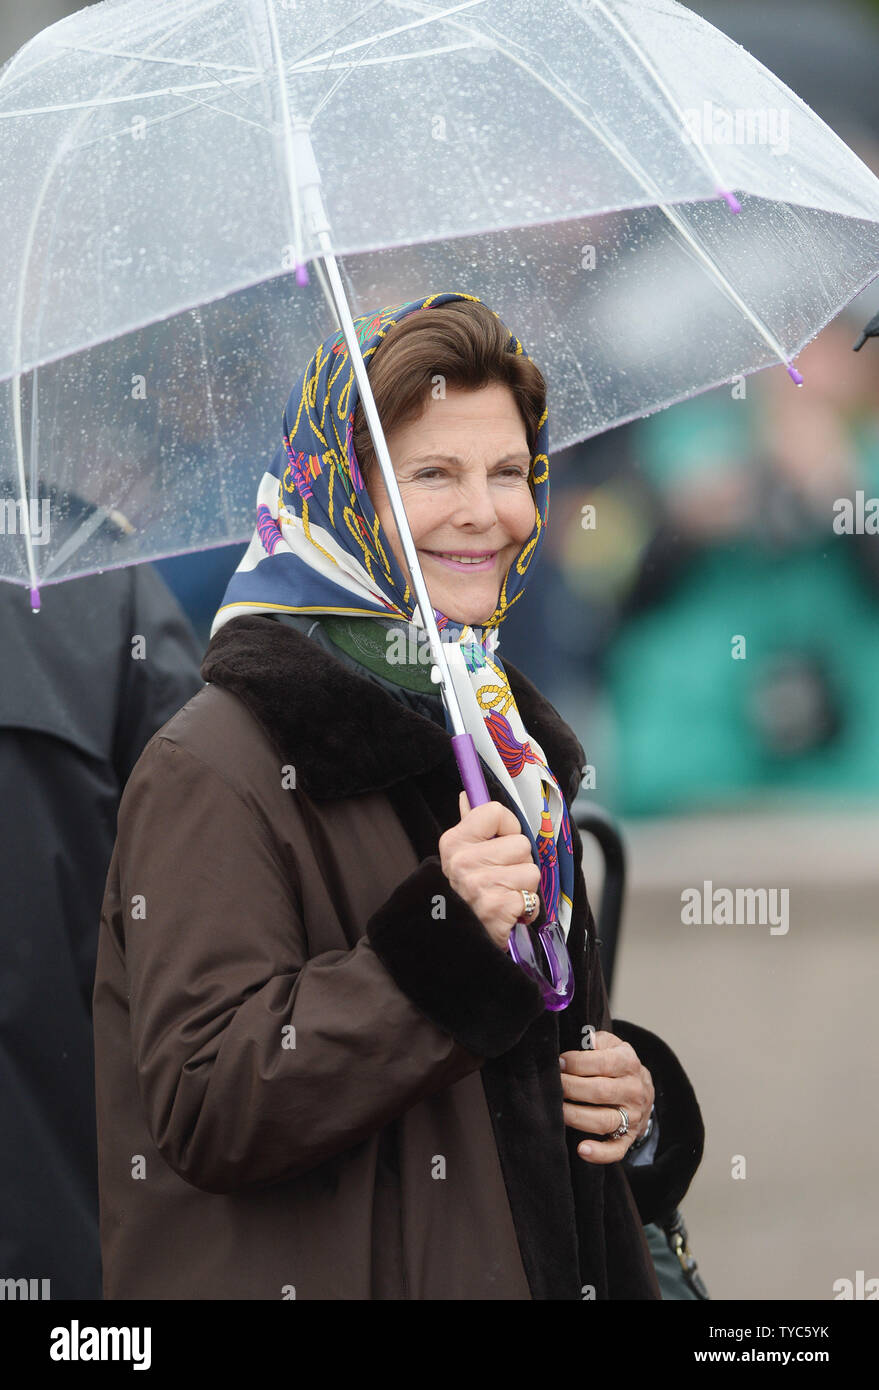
[510,471]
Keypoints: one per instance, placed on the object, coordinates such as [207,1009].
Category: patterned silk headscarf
[318,548]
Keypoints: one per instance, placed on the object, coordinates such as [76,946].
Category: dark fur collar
[367,740]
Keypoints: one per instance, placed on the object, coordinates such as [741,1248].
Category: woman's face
[462,469]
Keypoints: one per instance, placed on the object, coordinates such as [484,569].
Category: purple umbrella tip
[35,600]
[794,375]
[301,274]
[730,199]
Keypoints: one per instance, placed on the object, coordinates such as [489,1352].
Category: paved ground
[777,1033]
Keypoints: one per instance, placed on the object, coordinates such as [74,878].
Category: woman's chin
[464,598]
[466,614]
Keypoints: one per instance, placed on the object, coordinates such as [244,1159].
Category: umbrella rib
[338,82]
[396,57]
[287,131]
[365,61]
[157,120]
[94,102]
[235,93]
[399,29]
[728,289]
[148,58]
[329,94]
[340,28]
[182,110]
[221,111]
[644,59]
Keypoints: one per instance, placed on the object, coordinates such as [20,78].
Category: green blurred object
[700,727]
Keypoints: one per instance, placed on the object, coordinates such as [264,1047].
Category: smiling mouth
[481,559]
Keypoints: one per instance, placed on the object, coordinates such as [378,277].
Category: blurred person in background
[86,682]
[747,653]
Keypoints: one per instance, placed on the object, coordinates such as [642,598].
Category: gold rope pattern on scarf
[309,536]
[351,522]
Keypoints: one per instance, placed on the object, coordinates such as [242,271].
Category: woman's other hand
[489,863]
[594,1083]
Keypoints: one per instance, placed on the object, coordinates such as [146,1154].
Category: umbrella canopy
[166,168]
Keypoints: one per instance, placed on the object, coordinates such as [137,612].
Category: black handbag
[676,1270]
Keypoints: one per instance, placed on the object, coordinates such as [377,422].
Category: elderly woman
[320,1074]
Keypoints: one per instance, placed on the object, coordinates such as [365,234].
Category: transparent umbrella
[195,193]
[169,171]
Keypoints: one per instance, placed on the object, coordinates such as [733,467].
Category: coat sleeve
[254,1061]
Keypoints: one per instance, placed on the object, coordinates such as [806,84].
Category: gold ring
[532,904]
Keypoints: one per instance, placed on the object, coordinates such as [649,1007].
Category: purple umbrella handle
[471,773]
[557,989]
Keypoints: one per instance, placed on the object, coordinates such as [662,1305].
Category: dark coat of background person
[406,1140]
[76,710]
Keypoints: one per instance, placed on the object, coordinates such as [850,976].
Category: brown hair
[466,344]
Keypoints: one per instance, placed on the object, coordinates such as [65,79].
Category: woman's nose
[474,504]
